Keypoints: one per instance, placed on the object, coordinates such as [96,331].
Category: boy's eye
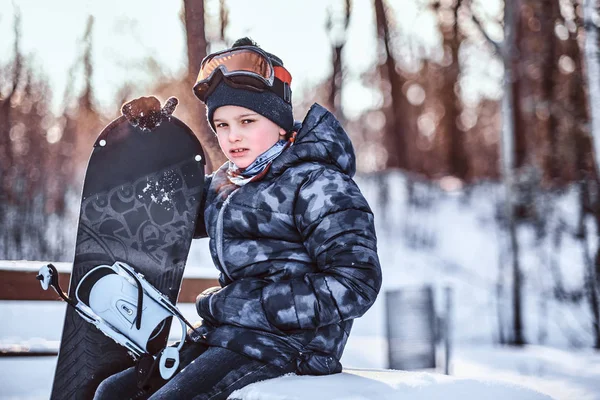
[221,125]
[247,121]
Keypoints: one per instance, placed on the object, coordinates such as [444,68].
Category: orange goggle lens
[235,61]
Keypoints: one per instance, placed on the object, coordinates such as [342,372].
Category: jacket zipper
[220,234]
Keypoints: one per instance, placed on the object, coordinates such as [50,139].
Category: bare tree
[552,164]
[508,118]
[195,36]
[337,36]
[196,49]
[592,77]
[506,50]
[513,52]
[6,156]
[27,167]
[592,62]
[458,163]
[223,19]
[395,137]
[86,98]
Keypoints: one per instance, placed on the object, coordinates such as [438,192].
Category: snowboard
[140,201]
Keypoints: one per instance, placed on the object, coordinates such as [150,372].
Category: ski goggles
[244,67]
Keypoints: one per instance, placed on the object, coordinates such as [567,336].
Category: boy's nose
[234,136]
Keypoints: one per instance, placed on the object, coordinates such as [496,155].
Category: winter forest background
[472,125]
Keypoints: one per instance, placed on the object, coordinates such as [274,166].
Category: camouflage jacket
[296,252]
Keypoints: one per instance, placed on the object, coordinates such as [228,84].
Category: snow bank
[364,384]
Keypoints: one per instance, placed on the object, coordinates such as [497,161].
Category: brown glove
[146,113]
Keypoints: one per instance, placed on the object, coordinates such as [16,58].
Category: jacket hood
[320,139]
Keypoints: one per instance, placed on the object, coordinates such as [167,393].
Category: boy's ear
[282,132]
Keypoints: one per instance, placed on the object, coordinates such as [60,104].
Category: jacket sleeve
[200,227]
[336,225]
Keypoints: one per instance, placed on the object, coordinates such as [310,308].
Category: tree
[337,36]
[458,163]
[507,51]
[592,77]
[28,167]
[592,61]
[396,125]
[196,49]
[508,165]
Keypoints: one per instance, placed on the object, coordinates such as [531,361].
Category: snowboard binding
[124,306]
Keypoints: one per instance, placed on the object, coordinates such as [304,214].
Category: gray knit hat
[266,103]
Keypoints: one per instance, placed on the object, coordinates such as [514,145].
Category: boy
[290,233]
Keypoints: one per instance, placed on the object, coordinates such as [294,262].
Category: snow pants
[204,373]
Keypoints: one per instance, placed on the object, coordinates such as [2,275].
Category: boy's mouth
[238,152]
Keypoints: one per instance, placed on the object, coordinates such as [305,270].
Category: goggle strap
[282,89]
[282,74]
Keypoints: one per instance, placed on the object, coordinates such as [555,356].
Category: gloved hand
[198,334]
[146,113]
[203,304]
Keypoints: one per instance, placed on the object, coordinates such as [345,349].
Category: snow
[564,374]
[26,378]
[443,239]
[382,385]
[478,372]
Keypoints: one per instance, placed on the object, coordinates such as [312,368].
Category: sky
[126,32]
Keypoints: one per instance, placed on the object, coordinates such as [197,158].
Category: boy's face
[243,134]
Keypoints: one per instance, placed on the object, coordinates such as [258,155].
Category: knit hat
[266,103]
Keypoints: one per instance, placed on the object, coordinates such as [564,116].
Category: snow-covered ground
[442,239]
[477,372]
[560,373]
[383,385]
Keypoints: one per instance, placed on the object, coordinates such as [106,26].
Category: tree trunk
[592,75]
[457,157]
[508,119]
[335,91]
[551,160]
[6,153]
[196,48]
[592,62]
[336,81]
[195,35]
[517,81]
[395,138]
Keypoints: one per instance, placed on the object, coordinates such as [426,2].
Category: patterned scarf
[259,167]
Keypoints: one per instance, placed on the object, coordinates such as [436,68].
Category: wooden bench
[17,281]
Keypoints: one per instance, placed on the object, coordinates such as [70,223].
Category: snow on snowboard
[141,197]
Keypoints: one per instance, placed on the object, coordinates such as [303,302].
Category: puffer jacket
[296,252]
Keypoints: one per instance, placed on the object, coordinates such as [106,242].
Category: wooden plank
[192,287]
[19,351]
[22,285]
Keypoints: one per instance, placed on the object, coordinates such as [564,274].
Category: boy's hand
[201,328]
[146,113]
[203,306]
